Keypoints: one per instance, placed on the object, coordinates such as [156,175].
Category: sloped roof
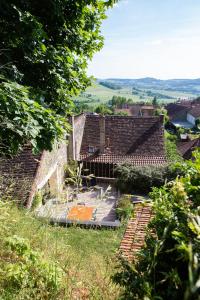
[177,111]
[195,111]
[127,138]
[186,148]
[20,171]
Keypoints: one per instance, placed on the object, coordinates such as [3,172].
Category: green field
[97,94]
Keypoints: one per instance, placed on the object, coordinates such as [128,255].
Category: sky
[150,38]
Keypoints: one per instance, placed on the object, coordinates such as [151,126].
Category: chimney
[102,133]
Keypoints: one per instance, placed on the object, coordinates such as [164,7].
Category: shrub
[141,179]
[124,208]
[168,266]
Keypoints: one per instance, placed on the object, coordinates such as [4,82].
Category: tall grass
[82,259]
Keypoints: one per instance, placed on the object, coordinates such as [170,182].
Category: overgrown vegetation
[124,208]
[168,266]
[38,261]
[172,154]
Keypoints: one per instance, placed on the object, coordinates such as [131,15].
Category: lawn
[86,255]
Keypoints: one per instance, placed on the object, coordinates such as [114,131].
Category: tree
[45,47]
[155,101]
[162,111]
[103,109]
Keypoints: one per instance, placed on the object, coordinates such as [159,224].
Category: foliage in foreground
[168,266]
[39,261]
[45,47]
[24,120]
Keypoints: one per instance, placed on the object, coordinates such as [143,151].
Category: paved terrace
[103,207]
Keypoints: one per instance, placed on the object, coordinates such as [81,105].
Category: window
[91,149]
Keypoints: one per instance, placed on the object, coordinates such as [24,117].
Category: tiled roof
[125,137]
[177,111]
[135,110]
[195,111]
[20,170]
[186,148]
[118,159]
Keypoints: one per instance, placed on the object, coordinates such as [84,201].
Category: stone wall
[75,139]
[50,171]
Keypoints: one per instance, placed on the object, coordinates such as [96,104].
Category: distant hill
[183,85]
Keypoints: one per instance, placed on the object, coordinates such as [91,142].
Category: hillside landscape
[138,90]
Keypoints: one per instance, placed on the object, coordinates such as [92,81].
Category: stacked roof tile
[130,159]
[134,236]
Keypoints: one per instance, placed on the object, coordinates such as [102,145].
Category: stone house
[111,140]
[184,114]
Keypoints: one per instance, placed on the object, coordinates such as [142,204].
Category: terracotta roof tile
[127,136]
[177,111]
[185,148]
[195,111]
[131,159]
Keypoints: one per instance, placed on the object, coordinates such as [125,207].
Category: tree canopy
[44,50]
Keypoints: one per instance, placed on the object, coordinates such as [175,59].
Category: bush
[133,179]
[124,208]
[168,265]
